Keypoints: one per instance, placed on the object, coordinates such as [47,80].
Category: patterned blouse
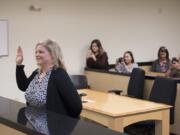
[36,92]
[122,68]
[38,119]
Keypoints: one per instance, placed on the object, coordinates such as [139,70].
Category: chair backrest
[164,91]
[79,81]
[136,83]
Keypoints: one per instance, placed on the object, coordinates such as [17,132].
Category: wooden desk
[117,112]
[18,119]
[5,130]
[105,81]
[154,74]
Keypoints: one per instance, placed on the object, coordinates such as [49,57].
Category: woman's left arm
[68,93]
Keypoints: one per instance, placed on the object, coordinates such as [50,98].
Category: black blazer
[100,63]
[62,97]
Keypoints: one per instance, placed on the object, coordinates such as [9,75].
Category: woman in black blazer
[48,86]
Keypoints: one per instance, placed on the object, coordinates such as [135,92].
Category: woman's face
[43,57]
[175,64]
[94,48]
[163,54]
[127,58]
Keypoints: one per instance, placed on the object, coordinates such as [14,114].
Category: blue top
[157,67]
[38,119]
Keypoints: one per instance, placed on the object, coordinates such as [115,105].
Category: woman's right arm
[21,79]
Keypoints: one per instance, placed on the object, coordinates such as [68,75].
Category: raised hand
[19,56]
[89,54]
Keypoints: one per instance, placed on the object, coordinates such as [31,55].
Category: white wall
[137,25]
[3,38]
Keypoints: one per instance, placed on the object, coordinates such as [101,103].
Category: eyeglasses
[174,63]
[163,50]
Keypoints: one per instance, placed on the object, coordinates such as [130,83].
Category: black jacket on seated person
[100,63]
[62,97]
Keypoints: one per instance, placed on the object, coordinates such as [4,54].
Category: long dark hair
[163,49]
[131,54]
[98,43]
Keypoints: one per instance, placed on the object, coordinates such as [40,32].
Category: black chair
[79,81]
[136,84]
[163,91]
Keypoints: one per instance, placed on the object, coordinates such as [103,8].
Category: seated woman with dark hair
[126,64]
[96,56]
[162,64]
[174,71]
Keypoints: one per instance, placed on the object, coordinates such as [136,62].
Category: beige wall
[138,25]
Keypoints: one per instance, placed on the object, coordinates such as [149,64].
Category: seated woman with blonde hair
[49,86]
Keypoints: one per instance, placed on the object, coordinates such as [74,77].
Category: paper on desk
[88,101]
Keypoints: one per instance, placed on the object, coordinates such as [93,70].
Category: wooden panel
[5,130]
[99,118]
[105,82]
[154,74]
[146,68]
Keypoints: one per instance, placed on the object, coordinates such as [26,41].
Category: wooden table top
[154,74]
[5,130]
[114,105]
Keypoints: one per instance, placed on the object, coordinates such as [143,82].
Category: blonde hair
[55,51]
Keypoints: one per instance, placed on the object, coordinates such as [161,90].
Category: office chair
[136,84]
[79,81]
[163,91]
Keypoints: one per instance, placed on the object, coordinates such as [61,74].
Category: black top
[100,63]
[16,115]
[62,97]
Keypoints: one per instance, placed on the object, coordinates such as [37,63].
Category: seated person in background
[126,64]
[162,64]
[174,71]
[96,56]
